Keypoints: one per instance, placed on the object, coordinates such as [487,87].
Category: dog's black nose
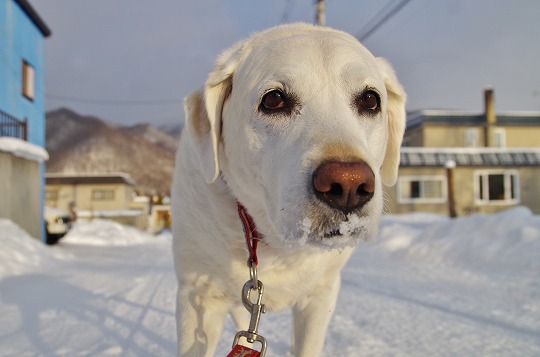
[345,186]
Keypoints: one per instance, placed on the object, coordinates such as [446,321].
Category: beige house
[103,195]
[459,163]
[479,180]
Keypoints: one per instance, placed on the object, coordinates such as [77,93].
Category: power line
[113,102]
[386,14]
[288,10]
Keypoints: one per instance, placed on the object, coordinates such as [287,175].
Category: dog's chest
[294,279]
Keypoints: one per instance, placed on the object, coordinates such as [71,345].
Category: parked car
[57,224]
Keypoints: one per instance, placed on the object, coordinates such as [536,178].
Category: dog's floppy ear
[396,123]
[204,112]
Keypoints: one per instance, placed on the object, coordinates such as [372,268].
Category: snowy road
[414,292]
[427,311]
[104,301]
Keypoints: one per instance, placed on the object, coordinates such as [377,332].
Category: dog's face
[305,125]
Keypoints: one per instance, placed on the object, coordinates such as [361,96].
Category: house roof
[89,179]
[33,15]
[454,117]
[419,156]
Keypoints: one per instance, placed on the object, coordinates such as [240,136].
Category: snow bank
[23,149]
[504,242]
[105,232]
[20,253]
[507,241]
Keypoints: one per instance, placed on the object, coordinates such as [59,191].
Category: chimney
[491,117]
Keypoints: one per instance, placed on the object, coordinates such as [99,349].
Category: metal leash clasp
[255,309]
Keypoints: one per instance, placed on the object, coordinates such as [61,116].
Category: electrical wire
[288,10]
[374,24]
[114,102]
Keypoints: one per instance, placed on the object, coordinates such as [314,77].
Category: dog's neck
[248,224]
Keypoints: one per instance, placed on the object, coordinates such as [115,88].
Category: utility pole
[321,15]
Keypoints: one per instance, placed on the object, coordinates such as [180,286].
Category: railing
[13,127]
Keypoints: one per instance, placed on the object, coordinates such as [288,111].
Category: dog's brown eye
[273,100]
[279,103]
[368,102]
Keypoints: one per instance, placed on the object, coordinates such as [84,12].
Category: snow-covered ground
[428,286]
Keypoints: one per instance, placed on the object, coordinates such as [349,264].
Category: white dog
[302,126]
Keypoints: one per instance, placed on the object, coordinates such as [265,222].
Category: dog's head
[305,126]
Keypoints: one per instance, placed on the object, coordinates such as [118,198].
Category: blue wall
[20,40]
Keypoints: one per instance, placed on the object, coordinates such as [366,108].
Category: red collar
[251,234]
[250,230]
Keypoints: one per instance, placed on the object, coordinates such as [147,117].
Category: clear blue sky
[132,61]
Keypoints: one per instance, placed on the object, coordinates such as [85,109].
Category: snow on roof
[24,149]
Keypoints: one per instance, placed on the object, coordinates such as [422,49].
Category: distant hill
[83,144]
[173,130]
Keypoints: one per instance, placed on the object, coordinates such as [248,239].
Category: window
[102,195]
[496,187]
[28,81]
[51,195]
[422,189]
[500,138]
[471,137]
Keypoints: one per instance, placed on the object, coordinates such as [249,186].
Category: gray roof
[418,156]
[89,179]
[455,117]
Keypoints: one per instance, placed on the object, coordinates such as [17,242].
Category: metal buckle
[255,309]
[253,275]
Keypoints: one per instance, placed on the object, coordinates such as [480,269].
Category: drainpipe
[491,117]
[450,166]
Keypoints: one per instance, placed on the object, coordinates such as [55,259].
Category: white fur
[266,163]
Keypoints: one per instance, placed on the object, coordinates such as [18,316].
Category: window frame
[101,194]
[499,135]
[472,137]
[51,195]
[28,81]
[484,191]
[422,178]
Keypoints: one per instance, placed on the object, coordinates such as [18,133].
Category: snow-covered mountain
[83,144]
[156,136]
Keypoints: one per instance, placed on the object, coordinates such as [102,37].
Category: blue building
[22,66]
[22,85]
